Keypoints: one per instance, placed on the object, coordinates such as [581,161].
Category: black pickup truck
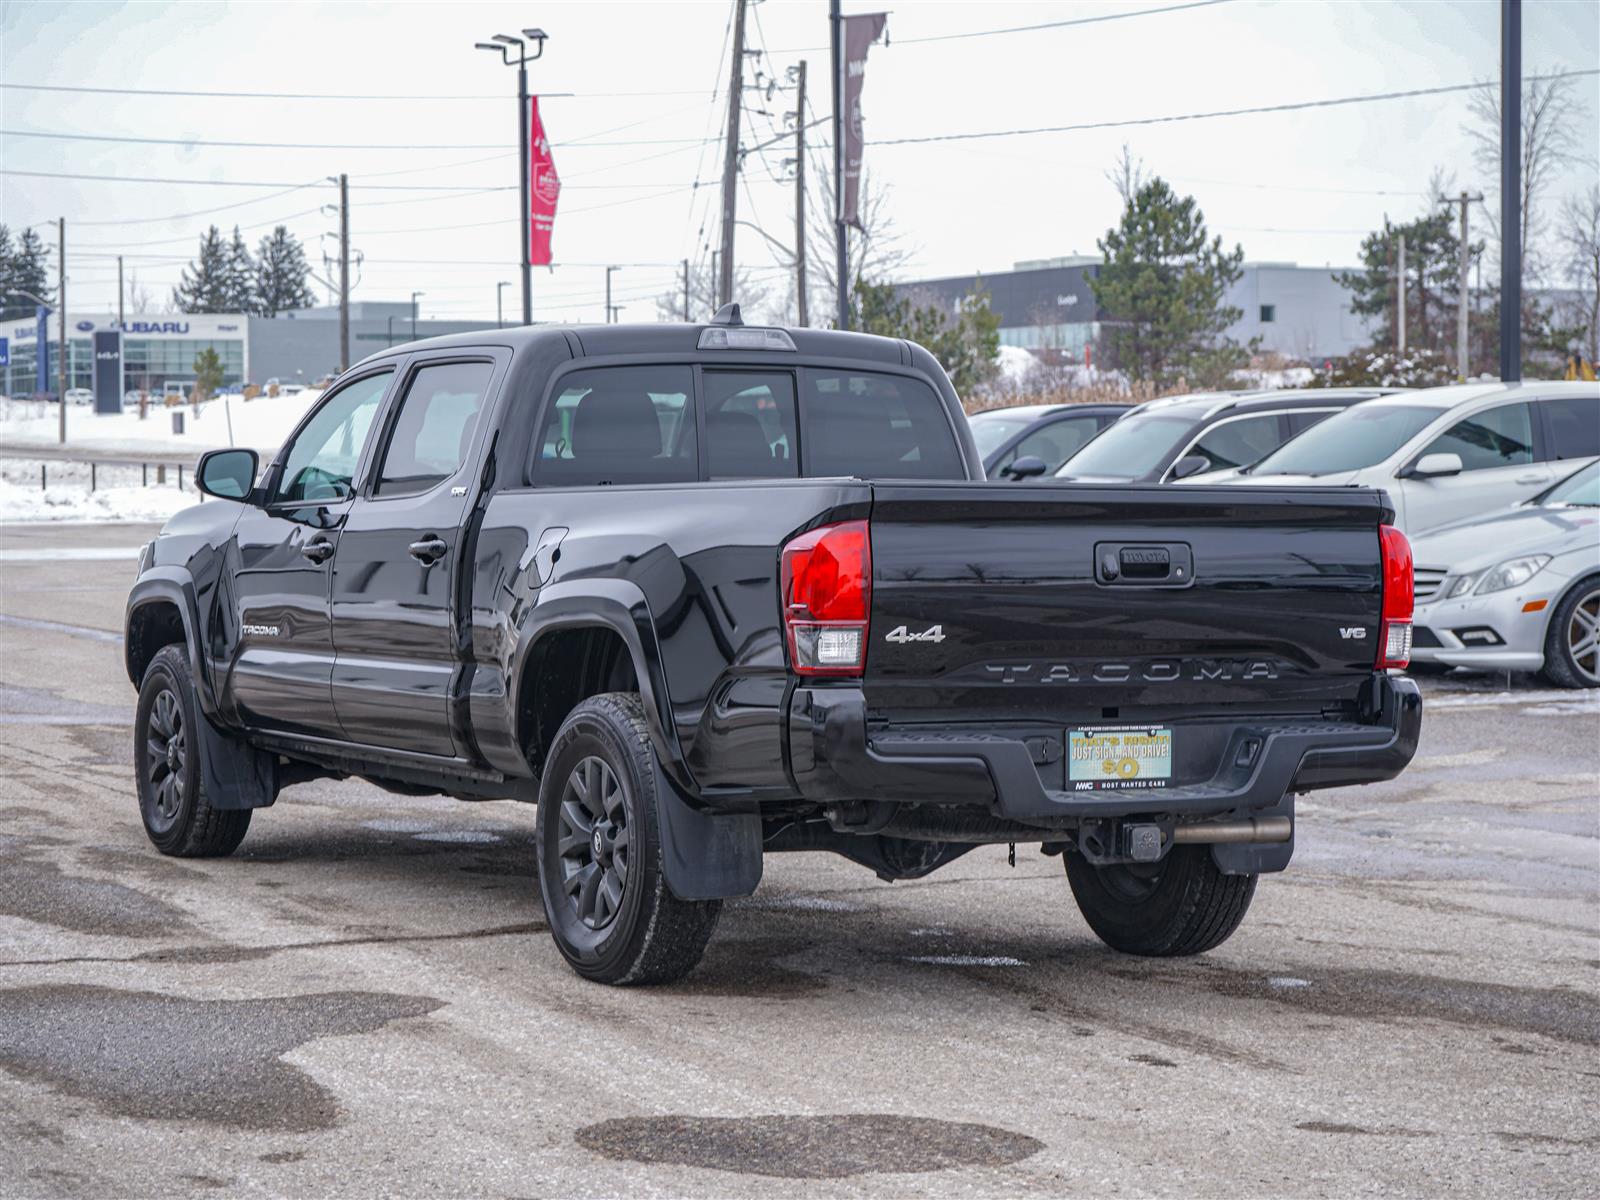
[710,592]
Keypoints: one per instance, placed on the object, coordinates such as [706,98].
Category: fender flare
[621,607]
[175,586]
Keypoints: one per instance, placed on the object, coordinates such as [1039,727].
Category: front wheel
[1572,643]
[1181,905]
[599,849]
[178,816]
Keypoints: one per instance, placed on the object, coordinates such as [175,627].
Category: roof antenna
[728,314]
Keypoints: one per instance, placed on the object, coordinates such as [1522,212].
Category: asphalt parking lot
[364,998]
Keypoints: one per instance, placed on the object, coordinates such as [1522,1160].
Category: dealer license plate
[1124,757]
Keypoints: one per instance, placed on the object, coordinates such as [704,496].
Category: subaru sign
[107,371]
[5,352]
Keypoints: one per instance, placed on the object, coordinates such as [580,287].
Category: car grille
[1428,580]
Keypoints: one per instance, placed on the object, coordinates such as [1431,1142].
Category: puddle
[151,1056]
[38,891]
[797,1147]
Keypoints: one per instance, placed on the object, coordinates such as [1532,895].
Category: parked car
[1178,437]
[1035,439]
[598,568]
[1517,590]
[80,396]
[1446,453]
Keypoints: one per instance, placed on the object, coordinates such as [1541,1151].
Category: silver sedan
[1517,590]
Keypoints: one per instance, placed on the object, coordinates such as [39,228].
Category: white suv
[1444,453]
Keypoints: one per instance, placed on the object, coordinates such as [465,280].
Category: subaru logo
[85,326]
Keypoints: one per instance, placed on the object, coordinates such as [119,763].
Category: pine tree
[241,276]
[1433,265]
[23,268]
[967,349]
[204,287]
[281,274]
[1162,289]
[9,301]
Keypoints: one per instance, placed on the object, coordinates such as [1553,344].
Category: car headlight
[1513,572]
[1461,585]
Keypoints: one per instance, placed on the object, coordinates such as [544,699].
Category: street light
[503,44]
[499,303]
[414,296]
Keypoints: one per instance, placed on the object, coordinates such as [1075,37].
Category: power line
[1292,106]
[167,93]
[397,187]
[975,33]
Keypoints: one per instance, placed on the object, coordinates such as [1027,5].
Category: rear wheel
[1572,643]
[599,849]
[178,816]
[1181,905]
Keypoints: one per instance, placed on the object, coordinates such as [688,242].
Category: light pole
[414,296]
[500,303]
[391,329]
[610,309]
[504,44]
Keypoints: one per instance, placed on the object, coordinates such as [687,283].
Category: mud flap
[704,855]
[1258,858]
[236,775]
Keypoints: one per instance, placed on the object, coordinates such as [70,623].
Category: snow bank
[262,424]
[18,503]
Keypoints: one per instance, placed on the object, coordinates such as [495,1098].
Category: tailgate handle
[1146,564]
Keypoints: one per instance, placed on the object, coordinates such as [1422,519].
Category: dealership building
[1047,305]
[157,349]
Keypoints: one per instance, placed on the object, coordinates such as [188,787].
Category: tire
[599,850]
[1571,652]
[1182,905]
[178,816]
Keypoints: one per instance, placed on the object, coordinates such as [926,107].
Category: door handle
[319,551]
[429,550]
[1532,477]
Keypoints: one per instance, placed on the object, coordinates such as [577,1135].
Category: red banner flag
[544,189]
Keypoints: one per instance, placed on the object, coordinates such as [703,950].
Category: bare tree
[139,298]
[753,295]
[875,252]
[1127,176]
[1579,234]
[1550,113]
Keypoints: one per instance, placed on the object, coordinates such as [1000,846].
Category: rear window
[619,425]
[876,427]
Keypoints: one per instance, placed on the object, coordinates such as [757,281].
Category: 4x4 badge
[901,634]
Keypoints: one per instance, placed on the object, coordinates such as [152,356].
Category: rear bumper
[834,758]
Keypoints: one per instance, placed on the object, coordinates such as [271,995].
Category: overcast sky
[630,144]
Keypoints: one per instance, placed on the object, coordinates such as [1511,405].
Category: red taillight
[1399,598]
[827,596]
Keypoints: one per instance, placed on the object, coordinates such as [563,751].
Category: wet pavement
[365,999]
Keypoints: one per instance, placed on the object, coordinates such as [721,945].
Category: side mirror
[1026,467]
[227,474]
[1432,465]
[1190,464]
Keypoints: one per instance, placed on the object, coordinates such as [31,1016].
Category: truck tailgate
[1076,605]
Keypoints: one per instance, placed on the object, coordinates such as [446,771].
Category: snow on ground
[262,424]
[71,502]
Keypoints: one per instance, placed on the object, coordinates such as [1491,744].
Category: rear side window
[876,427]
[1498,437]
[1238,443]
[1574,426]
[617,425]
[434,429]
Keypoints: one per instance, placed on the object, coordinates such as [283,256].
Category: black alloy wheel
[166,764]
[595,842]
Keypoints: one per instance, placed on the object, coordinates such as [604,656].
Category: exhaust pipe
[1251,829]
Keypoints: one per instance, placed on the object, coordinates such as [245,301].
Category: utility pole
[610,308]
[730,153]
[841,232]
[344,273]
[686,291]
[716,282]
[65,352]
[1400,298]
[1464,299]
[800,198]
[119,294]
[500,305]
[1510,190]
